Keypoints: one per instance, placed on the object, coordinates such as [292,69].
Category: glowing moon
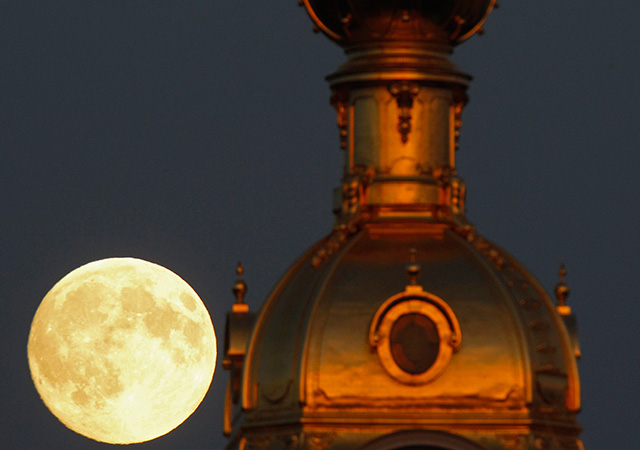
[122,350]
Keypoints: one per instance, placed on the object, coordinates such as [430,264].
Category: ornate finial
[562,292]
[239,290]
[413,268]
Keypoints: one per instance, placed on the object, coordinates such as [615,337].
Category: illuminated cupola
[403,328]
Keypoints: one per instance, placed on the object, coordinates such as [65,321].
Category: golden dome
[311,356]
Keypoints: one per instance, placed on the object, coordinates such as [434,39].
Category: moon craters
[111,346]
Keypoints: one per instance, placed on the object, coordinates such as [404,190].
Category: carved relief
[458,191]
[349,215]
[553,387]
[404,93]
[414,314]
[340,101]
[460,100]
[486,248]
[453,190]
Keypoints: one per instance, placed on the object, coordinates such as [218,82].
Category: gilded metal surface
[399,111]
[562,292]
[339,362]
[310,357]
[238,328]
[400,170]
[309,361]
[414,300]
[319,371]
[404,93]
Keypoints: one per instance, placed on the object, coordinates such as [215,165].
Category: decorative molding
[530,304]
[340,101]
[415,301]
[539,325]
[319,441]
[485,247]
[545,348]
[453,190]
[460,99]
[349,212]
[404,93]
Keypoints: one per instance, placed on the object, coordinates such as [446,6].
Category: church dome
[490,344]
[403,329]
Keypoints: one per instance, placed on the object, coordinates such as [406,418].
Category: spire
[562,292]
[239,291]
[413,268]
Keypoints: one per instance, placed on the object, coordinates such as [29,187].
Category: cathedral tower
[403,328]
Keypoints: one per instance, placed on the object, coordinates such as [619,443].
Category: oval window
[414,336]
[415,343]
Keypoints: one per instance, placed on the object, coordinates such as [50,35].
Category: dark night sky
[196,133]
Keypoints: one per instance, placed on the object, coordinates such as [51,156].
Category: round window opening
[415,343]
[414,334]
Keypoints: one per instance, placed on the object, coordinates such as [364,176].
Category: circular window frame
[415,301]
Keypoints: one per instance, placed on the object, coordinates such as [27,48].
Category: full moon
[122,350]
